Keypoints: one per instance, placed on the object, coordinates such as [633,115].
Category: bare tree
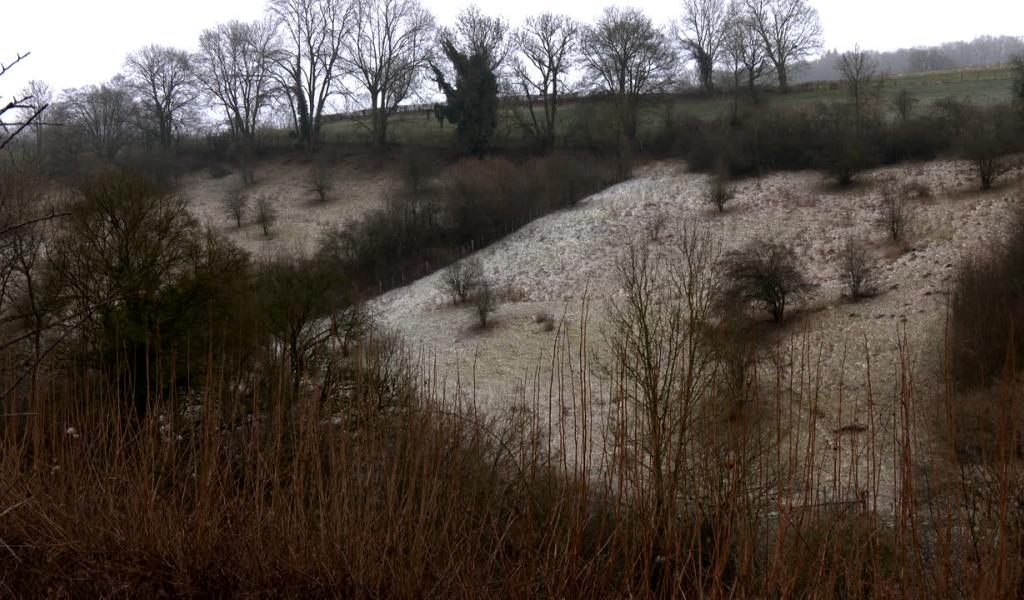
[39,95]
[903,103]
[743,49]
[461,279]
[701,33]
[657,331]
[235,66]
[859,71]
[477,33]
[790,30]
[547,44]
[387,50]
[236,204]
[266,214]
[626,55]
[105,115]
[310,57]
[164,80]
[29,107]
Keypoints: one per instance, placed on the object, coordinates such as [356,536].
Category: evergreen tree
[472,102]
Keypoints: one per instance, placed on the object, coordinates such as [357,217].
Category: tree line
[306,58]
[982,51]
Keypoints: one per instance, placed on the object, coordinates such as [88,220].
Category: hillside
[357,185]
[558,262]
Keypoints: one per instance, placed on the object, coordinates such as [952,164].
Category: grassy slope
[985,85]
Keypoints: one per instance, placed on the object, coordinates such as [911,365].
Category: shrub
[416,169]
[987,142]
[485,301]
[247,167]
[218,171]
[718,192]
[765,273]
[857,553]
[236,204]
[987,311]
[896,210]
[461,279]
[844,146]
[564,179]
[984,423]
[546,321]
[266,214]
[914,139]
[903,103]
[855,267]
[320,182]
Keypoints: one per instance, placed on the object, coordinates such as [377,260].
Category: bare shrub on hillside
[896,210]
[718,192]
[390,376]
[320,182]
[917,190]
[855,266]
[266,214]
[485,302]
[987,143]
[460,280]
[546,321]
[236,205]
[766,273]
[656,226]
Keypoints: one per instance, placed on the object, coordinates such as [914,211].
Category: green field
[985,86]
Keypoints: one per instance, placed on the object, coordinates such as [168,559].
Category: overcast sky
[76,42]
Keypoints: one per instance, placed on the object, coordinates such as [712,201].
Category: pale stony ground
[555,263]
[563,265]
[301,217]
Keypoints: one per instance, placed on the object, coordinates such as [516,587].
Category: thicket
[829,138]
[424,228]
[117,278]
[987,311]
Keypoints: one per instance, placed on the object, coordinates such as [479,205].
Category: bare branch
[19,57]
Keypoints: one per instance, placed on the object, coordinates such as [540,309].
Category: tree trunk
[378,121]
[783,78]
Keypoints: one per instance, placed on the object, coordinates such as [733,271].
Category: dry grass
[259,496]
